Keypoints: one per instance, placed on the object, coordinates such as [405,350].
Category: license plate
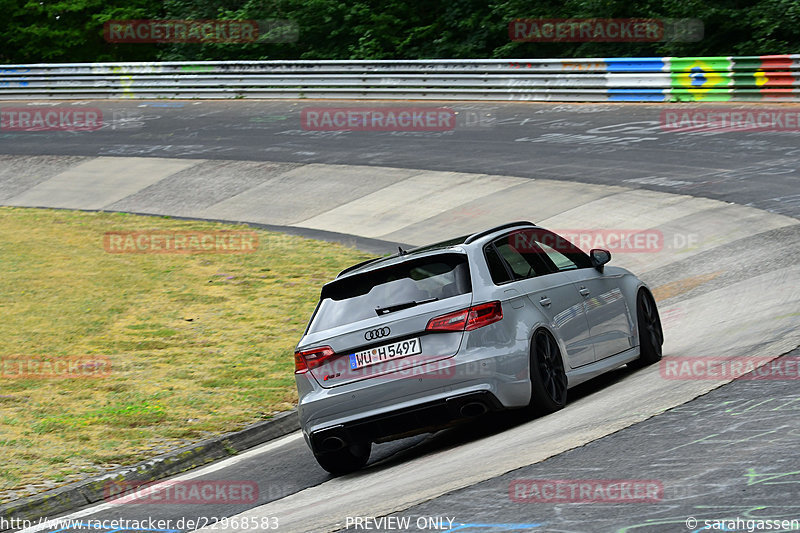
[387,352]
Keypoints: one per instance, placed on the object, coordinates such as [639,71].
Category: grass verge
[198,344]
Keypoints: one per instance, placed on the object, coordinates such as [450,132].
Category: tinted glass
[553,250]
[561,261]
[515,252]
[497,269]
[355,298]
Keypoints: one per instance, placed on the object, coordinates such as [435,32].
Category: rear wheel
[651,336]
[548,377]
[348,459]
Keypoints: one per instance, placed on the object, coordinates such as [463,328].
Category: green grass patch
[198,344]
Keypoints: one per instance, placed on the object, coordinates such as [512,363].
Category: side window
[513,257]
[519,265]
[560,252]
[497,269]
[561,261]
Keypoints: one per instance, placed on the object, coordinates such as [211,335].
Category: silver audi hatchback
[507,318]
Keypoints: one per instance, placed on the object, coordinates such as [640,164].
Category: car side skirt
[592,370]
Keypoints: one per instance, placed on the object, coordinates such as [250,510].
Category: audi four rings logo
[379,333]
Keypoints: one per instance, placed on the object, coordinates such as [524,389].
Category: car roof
[370,264]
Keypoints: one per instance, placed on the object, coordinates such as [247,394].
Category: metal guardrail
[655,79]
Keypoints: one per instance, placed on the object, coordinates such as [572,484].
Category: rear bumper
[491,360]
[409,421]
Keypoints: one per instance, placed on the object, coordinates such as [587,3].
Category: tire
[344,461]
[548,377]
[651,336]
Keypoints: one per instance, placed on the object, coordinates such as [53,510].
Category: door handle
[545,301]
[584,291]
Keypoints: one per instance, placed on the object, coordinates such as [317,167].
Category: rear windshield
[371,294]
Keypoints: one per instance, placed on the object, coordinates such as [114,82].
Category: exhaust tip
[332,444]
[473,409]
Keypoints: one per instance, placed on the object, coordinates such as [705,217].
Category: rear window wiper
[397,307]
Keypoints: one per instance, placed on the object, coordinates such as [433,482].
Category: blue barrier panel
[635,64]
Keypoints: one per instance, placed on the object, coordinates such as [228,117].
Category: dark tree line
[72,30]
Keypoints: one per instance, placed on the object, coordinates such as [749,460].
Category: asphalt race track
[727,279]
[612,144]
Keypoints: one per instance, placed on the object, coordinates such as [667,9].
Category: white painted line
[202,471]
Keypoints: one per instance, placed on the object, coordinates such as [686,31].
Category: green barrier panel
[699,78]
[689,64]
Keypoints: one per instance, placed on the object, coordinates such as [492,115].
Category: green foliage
[68,30]
[72,30]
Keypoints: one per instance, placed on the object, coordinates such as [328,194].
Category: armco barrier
[654,79]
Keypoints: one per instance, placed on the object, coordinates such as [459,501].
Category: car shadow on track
[397,452]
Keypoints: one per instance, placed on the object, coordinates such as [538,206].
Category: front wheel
[548,377]
[651,336]
[348,459]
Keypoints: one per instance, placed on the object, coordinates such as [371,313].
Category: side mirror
[599,258]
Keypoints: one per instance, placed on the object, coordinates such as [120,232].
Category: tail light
[311,359]
[467,319]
